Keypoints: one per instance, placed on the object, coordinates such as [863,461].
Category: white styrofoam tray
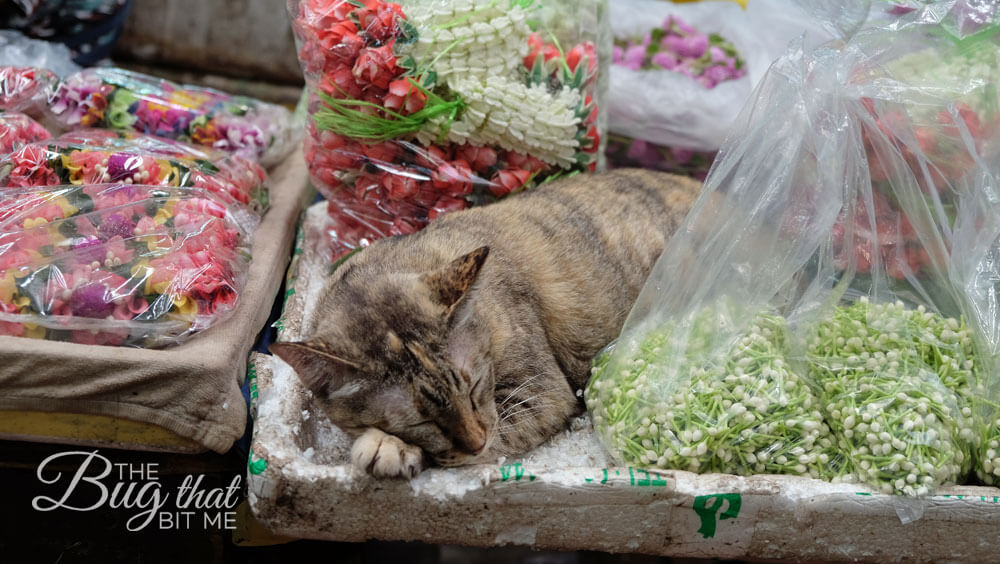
[566,495]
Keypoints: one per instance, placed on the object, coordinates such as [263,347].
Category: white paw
[385,456]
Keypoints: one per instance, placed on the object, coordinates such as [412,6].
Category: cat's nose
[473,441]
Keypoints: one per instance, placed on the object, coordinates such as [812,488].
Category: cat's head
[385,354]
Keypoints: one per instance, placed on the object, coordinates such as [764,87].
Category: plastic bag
[849,203]
[117,264]
[665,107]
[17,129]
[19,50]
[24,89]
[423,107]
[100,156]
[129,101]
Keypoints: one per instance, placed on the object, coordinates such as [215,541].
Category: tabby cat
[470,339]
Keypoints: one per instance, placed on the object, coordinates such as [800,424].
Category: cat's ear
[450,284]
[320,370]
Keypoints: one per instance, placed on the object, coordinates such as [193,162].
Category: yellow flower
[33,331]
[186,307]
[189,98]
[67,208]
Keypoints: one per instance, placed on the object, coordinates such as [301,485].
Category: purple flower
[675,22]
[88,250]
[643,153]
[123,165]
[681,156]
[665,60]
[116,224]
[694,46]
[634,56]
[91,300]
[718,55]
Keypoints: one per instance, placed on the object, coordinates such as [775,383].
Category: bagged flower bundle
[16,129]
[681,73]
[746,411]
[128,101]
[117,264]
[24,88]
[854,207]
[100,156]
[425,107]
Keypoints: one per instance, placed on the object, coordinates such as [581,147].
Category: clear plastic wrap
[133,102]
[665,107]
[424,107]
[17,129]
[117,264]
[99,156]
[850,203]
[19,50]
[24,89]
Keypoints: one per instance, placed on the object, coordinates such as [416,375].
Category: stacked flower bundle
[117,264]
[100,156]
[16,129]
[427,107]
[127,101]
[23,88]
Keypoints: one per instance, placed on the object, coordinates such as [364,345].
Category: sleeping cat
[470,339]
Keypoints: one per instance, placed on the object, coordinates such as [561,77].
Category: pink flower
[404,97]
[445,205]
[665,60]
[508,181]
[634,56]
[585,52]
[29,167]
[479,158]
[376,66]
[454,179]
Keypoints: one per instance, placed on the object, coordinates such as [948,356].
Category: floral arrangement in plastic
[421,108]
[99,156]
[676,46]
[23,88]
[16,129]
[708,59]
[128,101]
[117,264]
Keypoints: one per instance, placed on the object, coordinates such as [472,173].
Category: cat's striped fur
[469,340]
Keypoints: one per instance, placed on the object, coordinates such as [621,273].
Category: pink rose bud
[505,182]
[445,205]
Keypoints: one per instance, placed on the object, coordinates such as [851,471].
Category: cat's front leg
[385,456]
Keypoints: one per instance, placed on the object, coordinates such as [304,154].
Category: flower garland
[117,264]
[132,102]
[430,109]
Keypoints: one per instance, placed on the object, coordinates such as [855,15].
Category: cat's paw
[386,456]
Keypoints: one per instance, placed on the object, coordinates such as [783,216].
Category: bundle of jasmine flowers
[882,394]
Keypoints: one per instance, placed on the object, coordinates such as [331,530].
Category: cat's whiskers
[527,382]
